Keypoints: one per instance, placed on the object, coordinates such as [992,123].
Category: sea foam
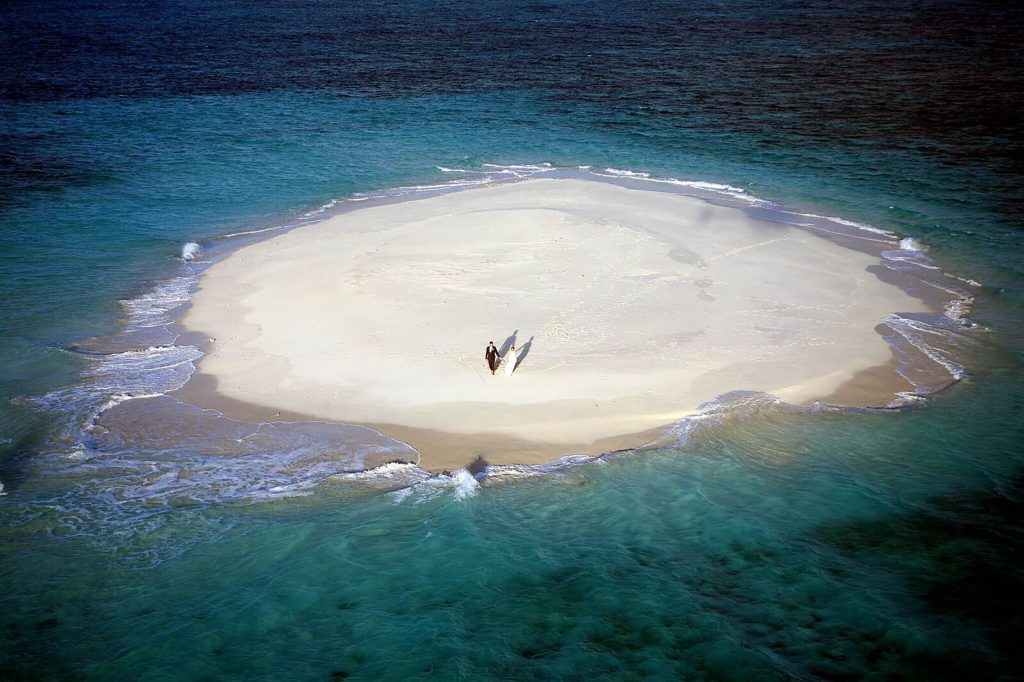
[189,251]
[911,244]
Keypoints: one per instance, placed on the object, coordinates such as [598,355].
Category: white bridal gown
[510,360]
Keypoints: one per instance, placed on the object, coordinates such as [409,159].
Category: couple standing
[493,359]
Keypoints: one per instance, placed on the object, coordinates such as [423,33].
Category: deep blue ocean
[771,543]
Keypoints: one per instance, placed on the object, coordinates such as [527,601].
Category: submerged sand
[630,307]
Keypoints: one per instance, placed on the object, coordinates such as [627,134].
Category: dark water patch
[928,77]
[24,173]
[15,456]
[961,556]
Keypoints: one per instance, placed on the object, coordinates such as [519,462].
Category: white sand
[641,305]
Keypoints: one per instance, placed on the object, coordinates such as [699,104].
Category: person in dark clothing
[492,357]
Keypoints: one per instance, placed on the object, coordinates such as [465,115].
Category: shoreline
[447,452]
[443,449]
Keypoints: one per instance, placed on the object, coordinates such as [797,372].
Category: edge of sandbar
[875,387]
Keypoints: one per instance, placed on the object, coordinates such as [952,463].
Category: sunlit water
[146,540]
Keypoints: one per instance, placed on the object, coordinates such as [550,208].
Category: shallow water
[765,542]
[776,544]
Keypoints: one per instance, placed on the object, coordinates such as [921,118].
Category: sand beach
[629,308]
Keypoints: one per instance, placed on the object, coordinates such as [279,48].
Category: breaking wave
[189,251]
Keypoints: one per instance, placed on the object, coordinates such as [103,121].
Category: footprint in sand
[687,258]
[702,285]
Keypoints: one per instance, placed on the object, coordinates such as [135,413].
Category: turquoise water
[770,543]
[778,545]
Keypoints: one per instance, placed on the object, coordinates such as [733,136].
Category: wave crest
[189,251]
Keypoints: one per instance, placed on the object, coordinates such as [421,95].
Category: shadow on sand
[509,342]
[523,352]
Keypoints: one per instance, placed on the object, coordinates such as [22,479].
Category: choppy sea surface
[143,539]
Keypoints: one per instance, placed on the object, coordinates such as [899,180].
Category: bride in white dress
[510,360]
